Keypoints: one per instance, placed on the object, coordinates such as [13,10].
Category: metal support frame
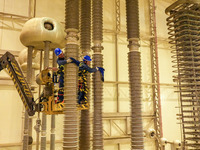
[31,13]
[117,30]
[155,74]
[111,118]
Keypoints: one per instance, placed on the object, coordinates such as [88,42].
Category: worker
[82,74]
[82,81]
[61,61]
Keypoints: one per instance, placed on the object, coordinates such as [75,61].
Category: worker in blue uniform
[82,74]
[61,61]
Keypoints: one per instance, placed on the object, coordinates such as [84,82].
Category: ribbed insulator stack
[70,137]
[97,24]
[97,13]
[135,90]
[183,24]
[132,14]
[98,96]
[85,35]
[71,14]
[70,133]
[85,39]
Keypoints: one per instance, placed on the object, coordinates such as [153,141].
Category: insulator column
[97,24]
[183,25]
[134,60]
[44,117]
[85,39]
[26,118]
[70,137]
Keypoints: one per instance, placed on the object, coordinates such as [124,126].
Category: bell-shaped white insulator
[38,30]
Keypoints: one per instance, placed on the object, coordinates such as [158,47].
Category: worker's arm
[63,61]
[87,68]
[74,61]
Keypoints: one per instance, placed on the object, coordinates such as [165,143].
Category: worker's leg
[60,95]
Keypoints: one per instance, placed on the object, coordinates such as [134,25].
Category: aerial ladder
[46,102]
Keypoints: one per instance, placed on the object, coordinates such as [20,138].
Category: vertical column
[26,119]
[53,117]
[44,117]
[155,75]
[38,120]
[97,22]
[132,14]
[85,39]
[70,133]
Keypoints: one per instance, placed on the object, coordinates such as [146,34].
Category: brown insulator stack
[70,133]
[85,39]
[97,24]
[134,60]
[183,25]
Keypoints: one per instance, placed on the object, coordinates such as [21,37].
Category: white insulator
[150,133]
[37,30]
[163,141]
[177,144]
[22,59]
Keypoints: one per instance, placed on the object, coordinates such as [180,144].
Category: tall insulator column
[85,40]
[97,24]
[70,133]
[134,60]
[27,129]
[44,117]
[53,117]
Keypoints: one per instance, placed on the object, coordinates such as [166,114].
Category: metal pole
[44,117]
[27,120]
[53,117]
[97,21]
[117,30]
[155,74]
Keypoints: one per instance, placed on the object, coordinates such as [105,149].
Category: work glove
[102,72]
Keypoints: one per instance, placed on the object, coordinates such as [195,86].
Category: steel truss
[155,74]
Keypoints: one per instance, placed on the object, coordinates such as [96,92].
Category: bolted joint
[43,133]
[53,131]
[72,36]
[97,48]
[133,44]
[25,131]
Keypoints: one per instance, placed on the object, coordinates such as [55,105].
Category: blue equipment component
[102,73]
[87,58]
[58,51]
